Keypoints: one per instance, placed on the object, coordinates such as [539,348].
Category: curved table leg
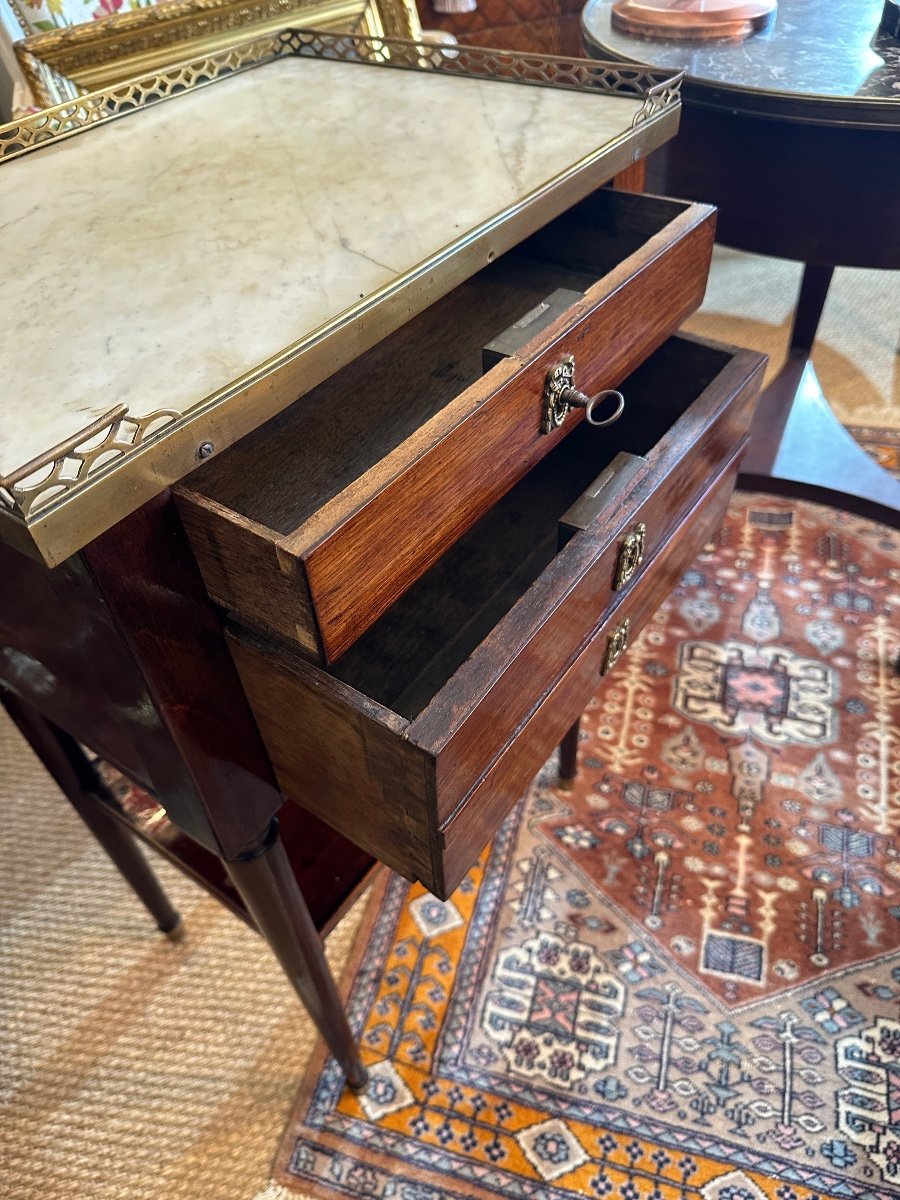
[799,447]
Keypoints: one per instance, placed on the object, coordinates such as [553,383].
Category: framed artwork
[62,62]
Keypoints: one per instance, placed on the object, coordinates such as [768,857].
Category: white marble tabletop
[161,261]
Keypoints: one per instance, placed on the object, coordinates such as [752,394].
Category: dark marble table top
[822,51]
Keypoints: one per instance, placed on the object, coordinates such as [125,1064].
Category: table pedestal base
[816,457]
[798,446]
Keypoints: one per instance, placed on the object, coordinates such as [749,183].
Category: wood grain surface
[482,707]
[244,571]
[465,833]
[340,755]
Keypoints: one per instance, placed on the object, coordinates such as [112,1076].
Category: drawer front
[324,582]
[578,588]
[465,833]
[353,764]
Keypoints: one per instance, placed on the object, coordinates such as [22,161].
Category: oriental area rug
[680,979]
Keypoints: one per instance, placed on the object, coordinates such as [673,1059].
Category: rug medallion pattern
[680,979]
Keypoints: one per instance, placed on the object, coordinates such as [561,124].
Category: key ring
[576,399]
[561,396]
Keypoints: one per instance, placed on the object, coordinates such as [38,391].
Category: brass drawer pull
[631,555]
[561,396]
[616,645]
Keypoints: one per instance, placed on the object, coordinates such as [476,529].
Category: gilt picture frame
[61,64]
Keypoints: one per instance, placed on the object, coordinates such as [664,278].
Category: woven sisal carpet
[133,1068]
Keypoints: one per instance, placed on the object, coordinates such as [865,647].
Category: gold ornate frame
[65,63]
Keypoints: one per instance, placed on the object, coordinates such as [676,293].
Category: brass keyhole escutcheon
[616,645]
[631,555]
[561,396]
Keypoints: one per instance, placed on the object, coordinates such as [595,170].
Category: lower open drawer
[417,743]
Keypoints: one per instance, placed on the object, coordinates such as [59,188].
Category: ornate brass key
[561,396]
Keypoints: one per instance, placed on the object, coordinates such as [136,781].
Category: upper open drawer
[315,524]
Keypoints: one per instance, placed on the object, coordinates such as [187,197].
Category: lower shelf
[331,871]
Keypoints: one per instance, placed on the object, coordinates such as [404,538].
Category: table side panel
[62,654]
[206,757]
[817,193]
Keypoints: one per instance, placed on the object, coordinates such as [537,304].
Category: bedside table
[346,537]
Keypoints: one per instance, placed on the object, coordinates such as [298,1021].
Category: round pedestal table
[794,133]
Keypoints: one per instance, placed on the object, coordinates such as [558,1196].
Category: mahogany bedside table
[302,502]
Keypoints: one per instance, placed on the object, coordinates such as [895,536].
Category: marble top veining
[816,48]
[154,260]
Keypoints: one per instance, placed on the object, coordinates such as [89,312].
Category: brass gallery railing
[659,89]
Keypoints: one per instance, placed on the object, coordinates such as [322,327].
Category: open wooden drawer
[418,742]
[314,525]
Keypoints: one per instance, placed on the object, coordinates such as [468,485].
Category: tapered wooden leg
[77,778]
[810,305]
[568,755]
[269,888]
[208,759]
[778,400]
[124,851]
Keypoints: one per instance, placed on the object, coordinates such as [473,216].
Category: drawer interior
[411,652]
[282,474]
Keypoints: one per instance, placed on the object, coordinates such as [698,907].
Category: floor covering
[680,978]
[133,1067]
